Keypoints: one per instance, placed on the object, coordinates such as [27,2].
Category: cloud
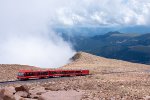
[104,12]
[26,37]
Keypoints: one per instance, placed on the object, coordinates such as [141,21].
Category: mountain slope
[98,64]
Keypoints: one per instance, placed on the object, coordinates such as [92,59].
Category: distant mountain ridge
[125,46]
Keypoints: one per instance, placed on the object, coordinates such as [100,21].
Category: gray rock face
[36,91]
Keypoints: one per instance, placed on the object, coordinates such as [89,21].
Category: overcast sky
[79,12]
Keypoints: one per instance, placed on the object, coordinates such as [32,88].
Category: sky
[104,13]
[26,26]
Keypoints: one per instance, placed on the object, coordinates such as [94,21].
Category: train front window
[20,74]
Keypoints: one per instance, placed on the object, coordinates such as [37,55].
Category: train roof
[46,70]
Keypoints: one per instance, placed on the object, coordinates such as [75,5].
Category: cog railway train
[30,74]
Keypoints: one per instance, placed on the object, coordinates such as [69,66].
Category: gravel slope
[110,79]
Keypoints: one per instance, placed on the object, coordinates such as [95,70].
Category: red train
[29,74]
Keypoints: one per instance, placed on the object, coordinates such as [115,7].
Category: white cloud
[100,12]
[98,17]
[25,35]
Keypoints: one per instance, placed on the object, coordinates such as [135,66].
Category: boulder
[37,91]
[23,94]
[29,99]
[11,89]
[17,97]
[147,98]
[61,95]
[6,95]
[22,88]
[34,96]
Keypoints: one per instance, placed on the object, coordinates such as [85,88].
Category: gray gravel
[32,81]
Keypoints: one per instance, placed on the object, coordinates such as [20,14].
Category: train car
[30,74]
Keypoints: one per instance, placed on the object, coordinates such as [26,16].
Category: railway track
[32,81]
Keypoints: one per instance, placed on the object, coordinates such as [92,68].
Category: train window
[53,73]
[69,72]
[63,72]
[50,72]
[20,74]
[45,73]
[78,72]
[42,73]
[33,73]
[38,73]
[30,74]
[58,72]
[27,74]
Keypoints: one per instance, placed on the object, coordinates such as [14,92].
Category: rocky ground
[110,79]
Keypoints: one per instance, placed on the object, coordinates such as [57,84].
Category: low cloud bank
[26,36]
